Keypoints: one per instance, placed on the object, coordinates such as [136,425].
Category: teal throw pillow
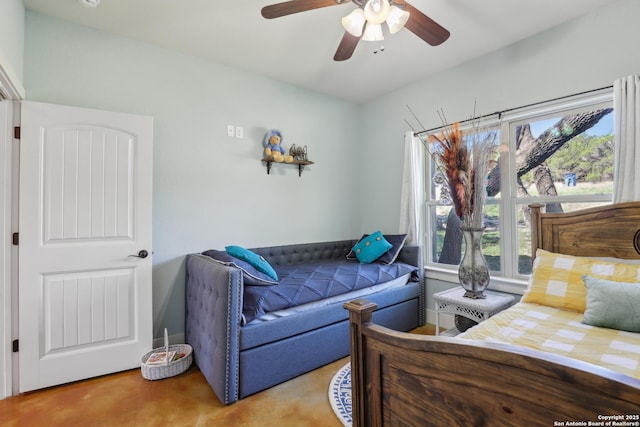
[397,243]
[371,248]
[250,275]
[252,258]
[614,305]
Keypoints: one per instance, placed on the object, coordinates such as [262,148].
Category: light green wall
[587,53]
[12,40]
[209,190]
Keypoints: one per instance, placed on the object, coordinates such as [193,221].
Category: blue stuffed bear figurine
[273,148]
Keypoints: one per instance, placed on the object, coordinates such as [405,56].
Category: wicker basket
[158,372]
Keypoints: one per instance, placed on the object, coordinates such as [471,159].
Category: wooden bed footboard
[409,379]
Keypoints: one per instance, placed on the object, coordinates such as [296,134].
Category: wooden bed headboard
[605,231]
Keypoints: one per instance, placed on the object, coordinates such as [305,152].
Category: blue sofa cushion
[317,280]
[251,275]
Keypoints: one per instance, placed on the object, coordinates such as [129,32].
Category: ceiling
[299,48]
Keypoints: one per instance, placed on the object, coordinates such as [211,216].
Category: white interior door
[85,209]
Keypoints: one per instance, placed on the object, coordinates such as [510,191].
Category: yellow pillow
[556,280]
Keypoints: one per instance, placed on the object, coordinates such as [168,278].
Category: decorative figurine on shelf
[298,153]
[274,151]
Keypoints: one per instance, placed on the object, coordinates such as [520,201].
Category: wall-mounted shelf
[301,164]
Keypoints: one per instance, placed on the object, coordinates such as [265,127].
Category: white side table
[453,302]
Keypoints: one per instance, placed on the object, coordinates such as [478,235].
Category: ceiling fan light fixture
[376,11]
[372,33]
[397,19]
[354,22]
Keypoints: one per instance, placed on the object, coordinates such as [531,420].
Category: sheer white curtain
[412,196]
[626,103]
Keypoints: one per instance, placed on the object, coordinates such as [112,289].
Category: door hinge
[15,239]
[15,346]
[16,132]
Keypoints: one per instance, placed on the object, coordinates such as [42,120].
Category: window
[560,154]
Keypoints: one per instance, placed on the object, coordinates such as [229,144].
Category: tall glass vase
[473,272]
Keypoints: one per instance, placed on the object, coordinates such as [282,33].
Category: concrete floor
[127,399]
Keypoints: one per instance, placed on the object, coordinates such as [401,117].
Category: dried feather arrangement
[464,164]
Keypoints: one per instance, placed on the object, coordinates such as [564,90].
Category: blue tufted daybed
[241,351]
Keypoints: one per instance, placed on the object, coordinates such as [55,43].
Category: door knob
[142,254]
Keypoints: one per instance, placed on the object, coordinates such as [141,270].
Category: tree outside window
[561,158]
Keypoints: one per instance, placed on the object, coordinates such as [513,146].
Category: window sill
[500,284]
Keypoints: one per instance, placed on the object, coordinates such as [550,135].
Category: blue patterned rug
[340,394]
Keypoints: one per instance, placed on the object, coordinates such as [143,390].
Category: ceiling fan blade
[424,27]
[294,6]
[346,47]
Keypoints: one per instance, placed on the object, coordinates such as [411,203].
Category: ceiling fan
[365,22]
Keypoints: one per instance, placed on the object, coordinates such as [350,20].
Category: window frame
[508,279]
